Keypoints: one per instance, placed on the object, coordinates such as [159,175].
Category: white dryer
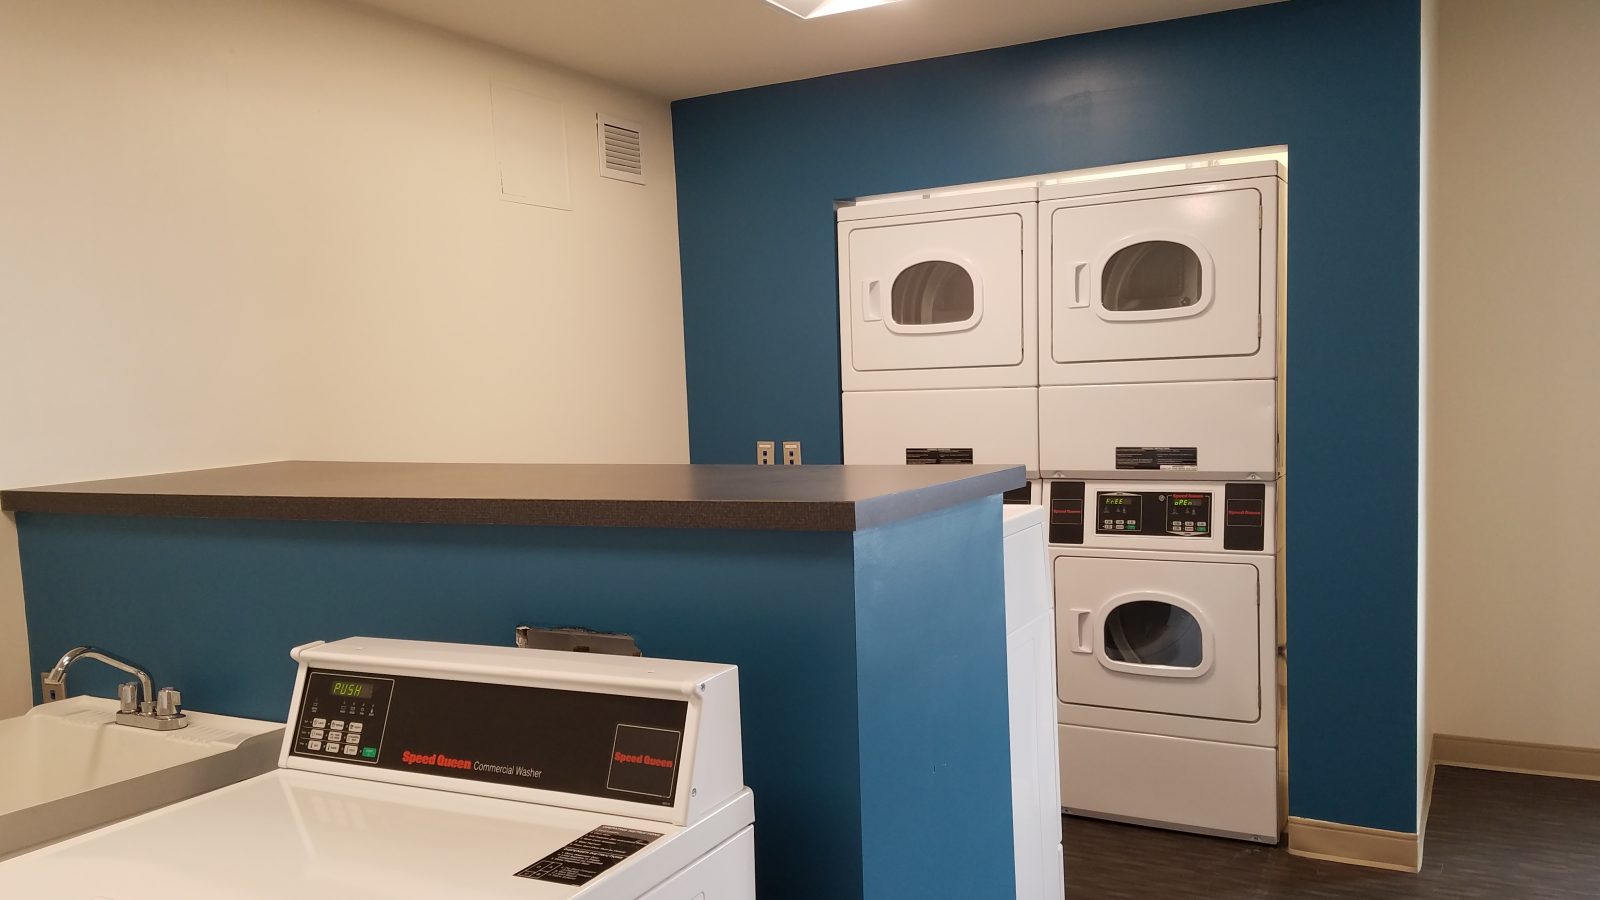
[938,292]
[1159,319]
[1166,632]
[425,770]
[1163,276]
[937,329]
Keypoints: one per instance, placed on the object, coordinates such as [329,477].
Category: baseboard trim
[1395,850]
[1516,756]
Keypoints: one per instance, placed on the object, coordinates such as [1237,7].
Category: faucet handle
[167,702]
[128,696]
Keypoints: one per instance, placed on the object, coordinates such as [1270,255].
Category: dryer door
[1159,278]
[1159,636]
[940,291]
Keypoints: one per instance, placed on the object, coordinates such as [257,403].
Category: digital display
[1184,501]
[355,690]
[1115,501]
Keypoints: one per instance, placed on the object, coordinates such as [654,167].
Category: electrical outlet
[791,453]
[765,452]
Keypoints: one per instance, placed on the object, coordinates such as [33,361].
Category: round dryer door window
[1151,275]
[1152,633]
[935,292]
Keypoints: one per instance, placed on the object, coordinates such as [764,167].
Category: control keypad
[361,705]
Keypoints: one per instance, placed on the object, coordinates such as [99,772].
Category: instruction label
[583,860]
[938,456]
[1158,458]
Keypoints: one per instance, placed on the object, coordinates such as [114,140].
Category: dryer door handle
[871,301]
[1080,295]
[1081,637]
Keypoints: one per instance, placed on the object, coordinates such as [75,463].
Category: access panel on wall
[1163,277]
[937,299]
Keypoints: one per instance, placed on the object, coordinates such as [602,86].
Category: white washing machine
[937,329]
[1031,678]
[1166,633]
[1159,316]
[416,769]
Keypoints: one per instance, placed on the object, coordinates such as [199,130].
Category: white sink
[69,768]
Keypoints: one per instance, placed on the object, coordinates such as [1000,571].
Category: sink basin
[69,768]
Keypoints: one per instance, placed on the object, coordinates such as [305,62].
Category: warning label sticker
[938,456]
[583,860]
[1158,458]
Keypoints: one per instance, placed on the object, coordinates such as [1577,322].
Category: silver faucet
[162,712]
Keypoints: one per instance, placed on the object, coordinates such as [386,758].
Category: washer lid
[291,834]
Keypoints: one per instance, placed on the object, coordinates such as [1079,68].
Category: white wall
[265,229]
[1515,338]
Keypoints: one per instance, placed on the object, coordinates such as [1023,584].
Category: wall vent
[621,149]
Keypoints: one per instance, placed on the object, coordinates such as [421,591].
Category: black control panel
[1161,513]
[1066,512]
[578,742]
[342,716]
[1245,527]
[1169,513]
[1019,496]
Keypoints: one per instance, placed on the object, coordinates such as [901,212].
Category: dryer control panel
[1173,513]
[1191,515]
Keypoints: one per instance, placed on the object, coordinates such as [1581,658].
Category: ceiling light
[814,9]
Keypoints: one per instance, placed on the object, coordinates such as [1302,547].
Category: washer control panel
[342,716]
[1170,513]
[591,743]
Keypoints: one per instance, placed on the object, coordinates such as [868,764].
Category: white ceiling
[687,48]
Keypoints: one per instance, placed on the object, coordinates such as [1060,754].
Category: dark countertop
[761,498]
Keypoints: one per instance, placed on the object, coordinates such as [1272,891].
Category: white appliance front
[1198,429]
[981,425]
[1167,643]
[1211,787]
[1169,283]
[302,834]
[938,299]
[1179,638]
[1030,677]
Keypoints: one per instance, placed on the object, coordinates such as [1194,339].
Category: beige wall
[259,229]
[1515,373]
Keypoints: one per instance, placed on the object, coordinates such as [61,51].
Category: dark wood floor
[1490,835]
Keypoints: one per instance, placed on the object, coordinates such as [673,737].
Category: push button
[351,749]
[316,734]
[338,725]
[369,752]
[319,723]
[355,727]
[330,747]
[313,745]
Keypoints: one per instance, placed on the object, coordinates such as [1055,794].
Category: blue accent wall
[1338,81]
[855,652]
[921,712]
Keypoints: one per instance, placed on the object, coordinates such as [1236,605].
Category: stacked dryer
[1159,411]
[938,322]
[1130,356]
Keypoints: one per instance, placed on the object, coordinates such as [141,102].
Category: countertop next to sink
[760,498]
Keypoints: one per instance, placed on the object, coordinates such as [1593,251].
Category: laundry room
[613,450]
